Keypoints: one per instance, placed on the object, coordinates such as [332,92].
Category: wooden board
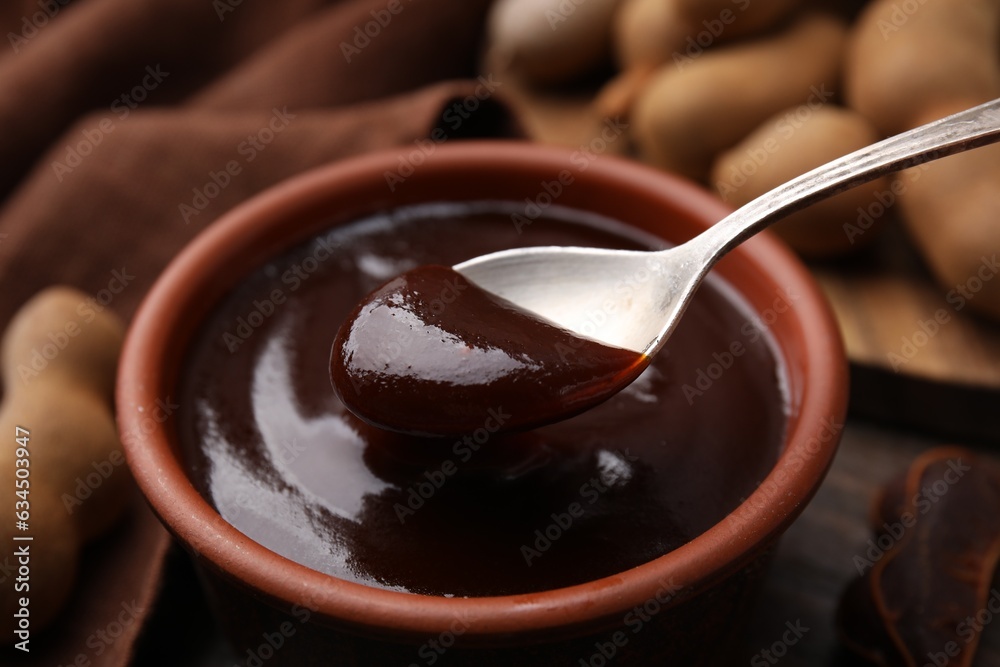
[917,360]
[893,315]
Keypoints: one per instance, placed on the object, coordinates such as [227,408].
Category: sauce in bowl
[270,444]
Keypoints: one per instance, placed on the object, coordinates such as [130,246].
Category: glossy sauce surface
[273,448]
[429,353]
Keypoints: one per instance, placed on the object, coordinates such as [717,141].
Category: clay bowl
[682,608]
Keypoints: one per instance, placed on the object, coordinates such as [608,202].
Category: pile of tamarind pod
[743,95]
[62,471]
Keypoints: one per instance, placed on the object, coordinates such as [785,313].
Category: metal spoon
[573,286]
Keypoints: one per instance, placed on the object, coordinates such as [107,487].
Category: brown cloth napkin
[118,118]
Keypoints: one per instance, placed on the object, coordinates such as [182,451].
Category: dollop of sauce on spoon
[430,353]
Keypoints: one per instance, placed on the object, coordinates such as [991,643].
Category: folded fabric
[129,127]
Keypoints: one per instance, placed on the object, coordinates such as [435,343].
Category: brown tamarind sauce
[466,349]
[270,444]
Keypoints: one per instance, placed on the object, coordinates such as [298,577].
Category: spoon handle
[972,128]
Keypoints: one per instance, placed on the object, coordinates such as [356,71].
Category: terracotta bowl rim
[721,550]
